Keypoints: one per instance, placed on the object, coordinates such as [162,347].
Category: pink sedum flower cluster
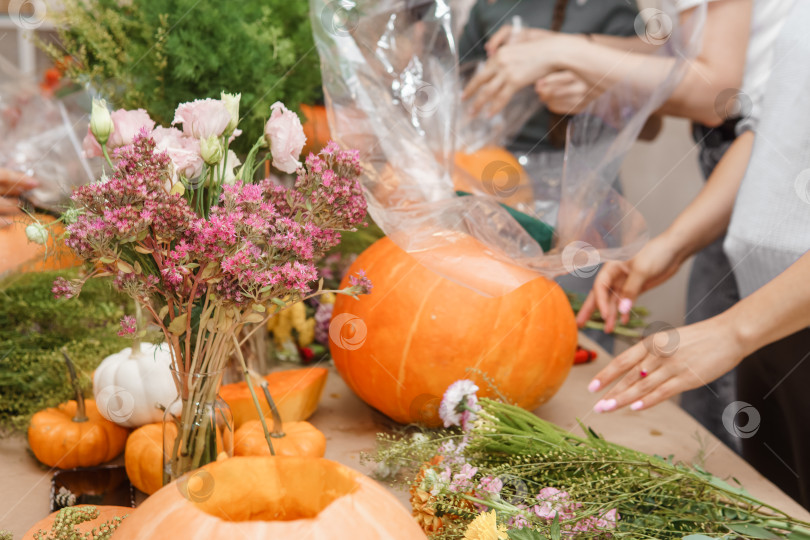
[258,242]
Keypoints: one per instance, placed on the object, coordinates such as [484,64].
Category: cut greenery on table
[34,326]
[502,472]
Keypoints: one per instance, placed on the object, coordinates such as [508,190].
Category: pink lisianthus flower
[90,145]
[202,118]
[285,135]
[128,124]
[183,151]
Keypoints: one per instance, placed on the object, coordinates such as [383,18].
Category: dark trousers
[712,290]
[774,382]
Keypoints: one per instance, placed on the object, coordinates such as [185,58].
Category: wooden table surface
[350,427]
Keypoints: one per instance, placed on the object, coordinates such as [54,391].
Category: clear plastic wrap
[393,89]
[42,138]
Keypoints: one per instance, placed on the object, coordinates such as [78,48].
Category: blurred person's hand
[564,92]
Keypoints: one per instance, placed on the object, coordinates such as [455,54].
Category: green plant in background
[154,54]
[34,327]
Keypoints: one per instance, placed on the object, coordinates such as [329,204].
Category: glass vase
[197,425]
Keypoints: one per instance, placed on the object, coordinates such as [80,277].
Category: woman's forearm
[706,218]
[719,66]
[775,311]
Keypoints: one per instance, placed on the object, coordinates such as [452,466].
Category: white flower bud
[101,124]
[211,150]
[37,233]
[231,102]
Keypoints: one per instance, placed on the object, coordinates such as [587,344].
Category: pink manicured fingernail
[609,405]
[637,405]
[594,386]
[598,407]
[625,305]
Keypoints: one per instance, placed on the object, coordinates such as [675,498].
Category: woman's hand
[507,34]
[12,185]
[564,92]
[510,69]
[669,362]
[618,284]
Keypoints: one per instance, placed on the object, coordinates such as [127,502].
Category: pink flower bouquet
[198,241]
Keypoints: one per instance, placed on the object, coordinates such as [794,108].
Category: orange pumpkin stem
[81,412]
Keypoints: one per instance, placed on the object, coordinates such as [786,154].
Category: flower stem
[81,411]
[248,380]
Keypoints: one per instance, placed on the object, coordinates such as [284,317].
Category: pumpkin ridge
[417,317]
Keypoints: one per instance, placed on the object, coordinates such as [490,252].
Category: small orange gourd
[74,434]
[296,439]
[143,457]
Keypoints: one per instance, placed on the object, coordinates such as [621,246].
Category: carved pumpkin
[494,171]
[105,514]
[297,439]
[400,347]
[284,498]
[128,387]
[296,392]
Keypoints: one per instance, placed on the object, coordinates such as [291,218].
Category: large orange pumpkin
[105,514]
[295,391]
[297,439]
[495,171]
[284,498]
[401,346]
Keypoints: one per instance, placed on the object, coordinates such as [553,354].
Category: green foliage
[154,54]
[34,327]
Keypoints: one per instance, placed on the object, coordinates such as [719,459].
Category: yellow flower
[327,298]
[306,333]
[485,527]
[298,314]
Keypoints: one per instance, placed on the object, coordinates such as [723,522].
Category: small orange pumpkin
[297,439]
[74,434]
[495,171]
[284,498]
[143,457]
[296,392]
[417,333]
[105,514]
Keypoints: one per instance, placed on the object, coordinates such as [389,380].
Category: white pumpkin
[129,387]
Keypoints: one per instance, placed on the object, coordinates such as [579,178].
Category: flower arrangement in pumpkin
[198,242]
[497,471]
